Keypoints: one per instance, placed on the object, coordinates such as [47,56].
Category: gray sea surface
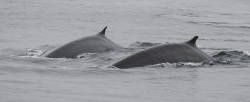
[29,28]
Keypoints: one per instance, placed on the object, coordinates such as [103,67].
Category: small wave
[247,27]
[207,23]
[210,48]
[229,57]
[235,26]
[16,81]
[87,55]
[143,44]
[180,65]
[46,47]
[221,24]
[34,52]
[226,40]
[30,52]
[233,40]
[233,54]
[226,14]
[13,52]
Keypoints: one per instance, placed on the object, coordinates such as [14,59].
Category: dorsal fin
[103,31]
[192,42]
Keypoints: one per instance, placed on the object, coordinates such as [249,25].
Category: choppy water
[30,27]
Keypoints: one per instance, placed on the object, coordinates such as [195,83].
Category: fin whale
[172,53]
[92,44]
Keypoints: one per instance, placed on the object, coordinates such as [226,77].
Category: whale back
[172,53]
[93,44]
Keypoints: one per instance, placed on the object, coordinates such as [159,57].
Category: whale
[97,43]
[171,53]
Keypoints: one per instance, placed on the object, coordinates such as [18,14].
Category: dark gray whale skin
[172,53]
[93,44]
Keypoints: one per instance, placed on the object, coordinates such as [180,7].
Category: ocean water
[30,27]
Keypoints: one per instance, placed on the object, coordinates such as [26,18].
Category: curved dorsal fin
[103,31]
[192,42]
